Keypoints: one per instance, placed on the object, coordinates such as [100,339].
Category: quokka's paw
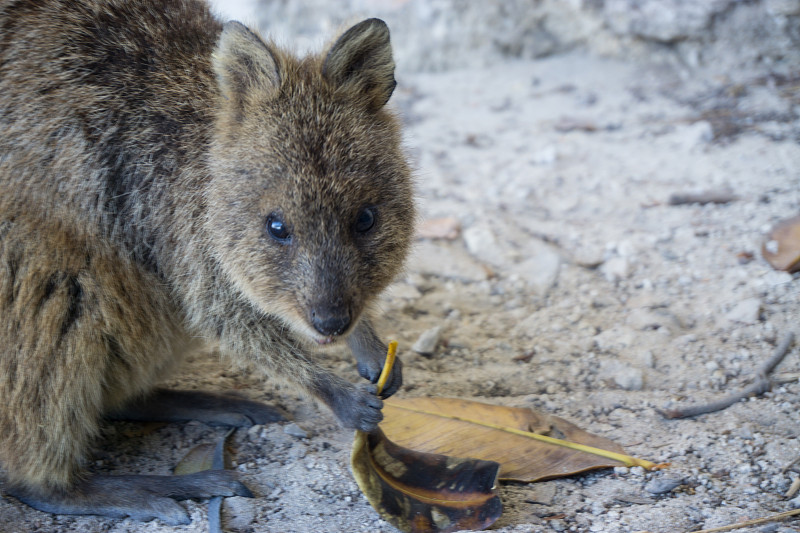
[358,407]
[371,369]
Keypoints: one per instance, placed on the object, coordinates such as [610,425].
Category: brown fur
[142,149]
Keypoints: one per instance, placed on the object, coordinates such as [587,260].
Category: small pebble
[426,343]
[238,512]
[745,312]
[295,431]
[629,378]
[254,432]
[616,269]
[795,503]
[663,485]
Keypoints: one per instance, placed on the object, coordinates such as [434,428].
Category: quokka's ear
[361,60]
[244,64]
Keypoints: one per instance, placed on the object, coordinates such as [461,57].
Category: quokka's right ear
[244,64]
[361,61]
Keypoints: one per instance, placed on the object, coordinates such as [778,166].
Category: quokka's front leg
[266,342]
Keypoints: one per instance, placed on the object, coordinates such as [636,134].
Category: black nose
[330,321]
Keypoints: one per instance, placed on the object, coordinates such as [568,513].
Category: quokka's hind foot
[216,409]
[139,497]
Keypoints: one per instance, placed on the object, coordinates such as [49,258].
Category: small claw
[369,370]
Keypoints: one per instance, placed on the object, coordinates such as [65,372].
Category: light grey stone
[541,270]
[616,269]
[624,376]
[238,512]
[295,431]
[643,319]
[745,312]
[445,260]
[427,342]
[629,378]
[484,245]
[662,485]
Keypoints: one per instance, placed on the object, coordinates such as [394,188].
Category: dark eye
[277,229]
[365,220]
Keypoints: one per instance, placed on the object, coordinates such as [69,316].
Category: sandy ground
[572,287]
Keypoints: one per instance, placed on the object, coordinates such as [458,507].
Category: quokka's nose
[330,322]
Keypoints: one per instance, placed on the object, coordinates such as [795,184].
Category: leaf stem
[387,366]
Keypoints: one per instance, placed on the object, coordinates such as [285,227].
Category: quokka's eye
[278,229]
[365,220]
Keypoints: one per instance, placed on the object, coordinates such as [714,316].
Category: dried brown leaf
[522,458]
[424,492]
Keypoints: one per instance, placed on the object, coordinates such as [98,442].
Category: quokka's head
[310,202]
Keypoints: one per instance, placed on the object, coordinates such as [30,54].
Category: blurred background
[435,35]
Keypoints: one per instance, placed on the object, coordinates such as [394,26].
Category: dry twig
[755,522]
[761,385]
[714,196]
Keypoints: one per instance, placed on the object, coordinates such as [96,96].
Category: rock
[795,503]
[665,21]
[446,260]
[643,319]
[662,485]
[616,269]
[254,432]
[589,257]
[615,339]
[646,359]
[482,243]
[238,512]
[541,270]
[745,312]
[629,378]
[295,431]
[427,342]
[624,376]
